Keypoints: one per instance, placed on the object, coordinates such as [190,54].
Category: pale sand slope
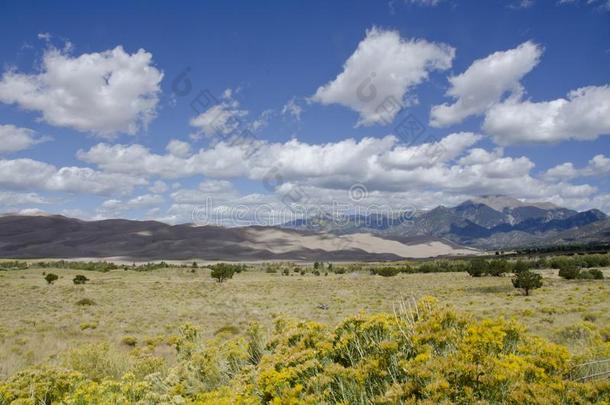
[278,241]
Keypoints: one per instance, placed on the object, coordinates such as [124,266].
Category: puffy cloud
[24,173]
[383,69]
[28,173]
[485,82]
[598,166]
[104,93]
[430,154]
[223,160]
[583,115]
[453,167]
[14,139]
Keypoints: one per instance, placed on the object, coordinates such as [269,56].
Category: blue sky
[512,97]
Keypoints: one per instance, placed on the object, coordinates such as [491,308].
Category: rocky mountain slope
[490,222]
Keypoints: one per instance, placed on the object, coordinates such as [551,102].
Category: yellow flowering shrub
[426,354]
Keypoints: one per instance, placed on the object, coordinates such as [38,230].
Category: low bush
[478,268]
[569,271]
[129,340]
[385,271]
[13,265]
[85,302]
[431,354]
[50,278]
[498,268]
[591,274]
[79,279]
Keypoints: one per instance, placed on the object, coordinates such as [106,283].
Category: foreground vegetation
[278,332]
[424,352]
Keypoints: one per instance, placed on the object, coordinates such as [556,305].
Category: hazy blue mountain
[487,221]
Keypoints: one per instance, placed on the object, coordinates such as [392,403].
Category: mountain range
[483,223]
[488,222]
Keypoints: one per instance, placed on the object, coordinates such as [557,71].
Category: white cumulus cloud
[15,139]
[103,93]
[382,70]
[485,82]
[583,115]
[33,174]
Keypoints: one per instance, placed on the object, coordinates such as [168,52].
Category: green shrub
[478,268]
[386,271]
[527,280]
[79,279]
[569,271]
[224,271]
[85,302]
[51,278]
[13,265]
[498,267]
[405,268]
[129,340]
[591,274]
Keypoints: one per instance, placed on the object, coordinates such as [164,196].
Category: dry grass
[38,321]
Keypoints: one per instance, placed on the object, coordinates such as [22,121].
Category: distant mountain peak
[499,202]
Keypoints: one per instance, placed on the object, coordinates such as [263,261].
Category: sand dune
[279,241]
[61,237]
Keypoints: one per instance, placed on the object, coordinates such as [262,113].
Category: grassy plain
[40,321]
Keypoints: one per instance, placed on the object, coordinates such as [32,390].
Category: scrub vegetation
[420,331]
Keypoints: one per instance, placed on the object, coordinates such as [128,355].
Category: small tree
[527,280]
[316,265]
[51,278]
[478,268]
[222,271]
[194,265]
[80,279]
